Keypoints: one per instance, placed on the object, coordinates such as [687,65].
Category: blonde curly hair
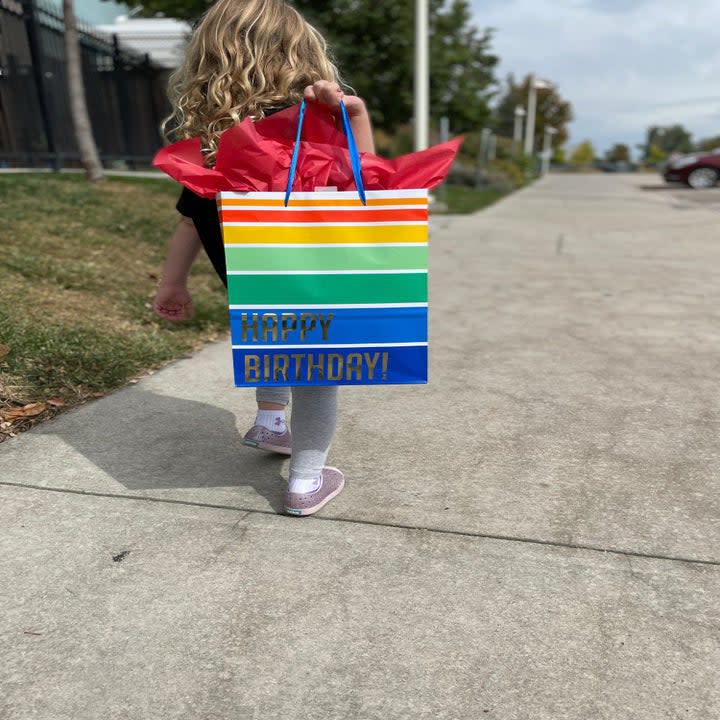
[244,57]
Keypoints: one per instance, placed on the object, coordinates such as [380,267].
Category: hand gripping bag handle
[352,147]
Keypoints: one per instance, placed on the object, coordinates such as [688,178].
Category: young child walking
[250,58]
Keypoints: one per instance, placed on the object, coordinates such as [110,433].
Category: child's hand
[330,94]
[173,302]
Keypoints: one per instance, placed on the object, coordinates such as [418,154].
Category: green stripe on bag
[332,258]
[326,289]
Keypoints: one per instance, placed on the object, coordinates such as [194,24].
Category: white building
[163,39]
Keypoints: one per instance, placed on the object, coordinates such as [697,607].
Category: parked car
[699,170]
[619,166]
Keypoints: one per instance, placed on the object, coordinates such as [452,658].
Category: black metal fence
[125,92]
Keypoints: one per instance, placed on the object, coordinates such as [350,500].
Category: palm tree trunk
[89,157]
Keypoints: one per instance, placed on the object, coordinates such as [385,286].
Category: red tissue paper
[256,156]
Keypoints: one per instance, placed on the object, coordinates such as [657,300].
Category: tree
[462,68]
[89,157]
[373,44]
[552,110]
[708,144]
[583,154]
[618,153]
[654,155]
[374,47]
[668,139]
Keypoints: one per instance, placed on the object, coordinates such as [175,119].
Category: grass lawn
[78,268]
[462,199]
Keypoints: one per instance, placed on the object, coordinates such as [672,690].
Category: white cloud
[623,64]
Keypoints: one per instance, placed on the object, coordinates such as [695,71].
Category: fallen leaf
[55,402]
[97,394]
[26,411]
[4,350]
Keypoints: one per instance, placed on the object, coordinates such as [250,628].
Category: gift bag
[327,287]
[327,291]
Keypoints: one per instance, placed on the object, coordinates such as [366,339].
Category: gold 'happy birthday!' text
[315,367]
[287,326]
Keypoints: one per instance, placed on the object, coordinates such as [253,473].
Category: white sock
[272,420]
[303,485]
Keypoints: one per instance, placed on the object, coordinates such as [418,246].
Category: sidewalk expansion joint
[355,521]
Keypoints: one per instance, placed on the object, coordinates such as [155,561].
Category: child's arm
[330,94]
[173,301]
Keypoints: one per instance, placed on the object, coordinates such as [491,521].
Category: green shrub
[506,171]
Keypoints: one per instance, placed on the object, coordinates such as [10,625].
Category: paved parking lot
[682,193]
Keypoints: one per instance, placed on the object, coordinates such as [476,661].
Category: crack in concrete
[355,521]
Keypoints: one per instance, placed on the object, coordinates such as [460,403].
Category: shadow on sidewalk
[147,441]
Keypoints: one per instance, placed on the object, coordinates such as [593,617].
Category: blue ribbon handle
[296,150]
[352,147]
[354,154]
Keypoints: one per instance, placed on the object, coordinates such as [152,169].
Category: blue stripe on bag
[342,325]
[389,365]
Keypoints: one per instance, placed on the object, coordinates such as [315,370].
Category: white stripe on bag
[328,346]
[329,195]
[322,208]
[324,245]
[419,271]
[327,306]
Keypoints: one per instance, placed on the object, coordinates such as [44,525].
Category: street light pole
[530,122]
[517,130]
[482,157]
[547,149]
[535,85]
[422,75]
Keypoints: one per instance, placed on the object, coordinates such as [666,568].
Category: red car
[699,170]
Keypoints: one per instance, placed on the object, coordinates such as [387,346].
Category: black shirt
[204,214]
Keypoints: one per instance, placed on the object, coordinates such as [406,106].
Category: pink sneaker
[263,439]
[331,483]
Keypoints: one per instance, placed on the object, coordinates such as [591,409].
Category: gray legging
[314,416]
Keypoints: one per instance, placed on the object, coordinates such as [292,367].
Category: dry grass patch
[78,268]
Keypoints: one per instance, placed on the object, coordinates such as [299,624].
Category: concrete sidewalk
[534,535]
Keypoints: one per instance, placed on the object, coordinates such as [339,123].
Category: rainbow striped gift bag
[327,290]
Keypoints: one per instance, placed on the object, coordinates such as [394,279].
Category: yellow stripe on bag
[272,234]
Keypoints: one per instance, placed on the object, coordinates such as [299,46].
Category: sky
[98,12]
[623,64]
